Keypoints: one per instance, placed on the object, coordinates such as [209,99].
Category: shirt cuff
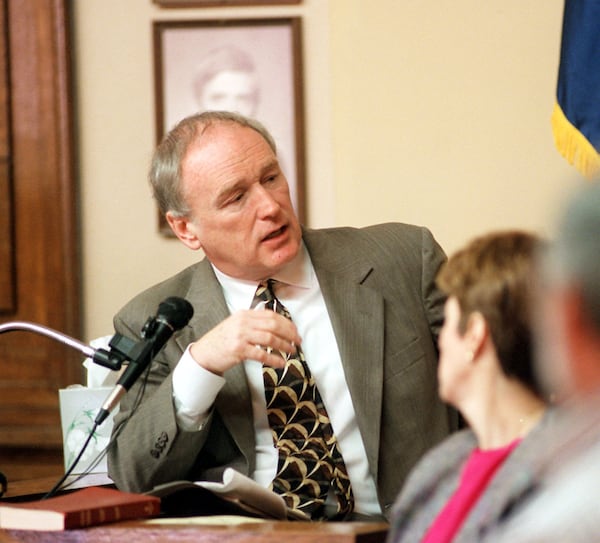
[194,392]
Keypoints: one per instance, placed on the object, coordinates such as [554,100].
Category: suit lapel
[357,316]
[206,296]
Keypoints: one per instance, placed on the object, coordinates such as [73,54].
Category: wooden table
[252,532]
[195,530]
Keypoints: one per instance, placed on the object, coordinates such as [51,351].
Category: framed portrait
[252,66]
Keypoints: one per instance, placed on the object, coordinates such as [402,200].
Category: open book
[235,495]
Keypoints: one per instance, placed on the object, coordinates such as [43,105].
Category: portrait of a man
[243,66]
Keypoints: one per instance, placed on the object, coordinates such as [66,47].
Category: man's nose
[266,203]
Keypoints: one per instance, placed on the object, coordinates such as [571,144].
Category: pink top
[476,473]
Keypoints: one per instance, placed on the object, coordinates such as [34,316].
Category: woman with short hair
[462,487]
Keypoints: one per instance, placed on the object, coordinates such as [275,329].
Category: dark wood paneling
[20,464]
[7,291]
[44,225]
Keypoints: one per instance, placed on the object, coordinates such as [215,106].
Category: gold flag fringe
[573,145]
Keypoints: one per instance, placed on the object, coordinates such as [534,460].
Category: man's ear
[185,230]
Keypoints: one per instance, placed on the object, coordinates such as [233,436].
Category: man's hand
[247,334]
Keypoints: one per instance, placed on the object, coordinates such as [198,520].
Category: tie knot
[270,284]
[264,291]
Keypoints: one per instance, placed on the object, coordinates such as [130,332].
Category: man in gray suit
[365,312]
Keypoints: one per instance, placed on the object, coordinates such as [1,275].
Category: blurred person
[563,502]
[462,488]
[365,315]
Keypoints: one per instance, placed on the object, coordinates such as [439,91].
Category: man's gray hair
[165,169]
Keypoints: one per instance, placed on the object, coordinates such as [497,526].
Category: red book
[86,507]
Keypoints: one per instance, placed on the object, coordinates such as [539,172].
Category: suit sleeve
[433,299]
[148,447]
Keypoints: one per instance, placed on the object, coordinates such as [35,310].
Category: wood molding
[44,223]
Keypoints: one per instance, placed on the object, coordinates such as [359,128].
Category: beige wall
[433,112]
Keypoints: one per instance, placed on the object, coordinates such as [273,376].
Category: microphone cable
[60,484]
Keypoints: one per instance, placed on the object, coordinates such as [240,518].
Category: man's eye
[233,199]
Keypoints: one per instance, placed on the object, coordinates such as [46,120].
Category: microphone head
[175,311]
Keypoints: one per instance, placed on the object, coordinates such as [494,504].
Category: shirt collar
[239,293]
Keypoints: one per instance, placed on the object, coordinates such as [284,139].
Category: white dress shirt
[195,389]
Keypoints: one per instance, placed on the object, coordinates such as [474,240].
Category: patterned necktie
[310,462]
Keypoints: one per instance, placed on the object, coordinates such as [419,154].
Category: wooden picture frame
[264,54]
[221,3]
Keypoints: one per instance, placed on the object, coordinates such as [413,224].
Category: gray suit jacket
[436,477]
[378,285]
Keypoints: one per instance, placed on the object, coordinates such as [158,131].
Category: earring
[470,355]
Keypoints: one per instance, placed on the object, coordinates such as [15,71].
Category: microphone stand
[122,349]
[112,359]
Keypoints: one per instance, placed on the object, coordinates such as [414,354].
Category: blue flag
[576,115]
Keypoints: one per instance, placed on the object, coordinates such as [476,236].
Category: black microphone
[172,315]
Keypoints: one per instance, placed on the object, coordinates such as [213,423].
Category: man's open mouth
[274,234]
